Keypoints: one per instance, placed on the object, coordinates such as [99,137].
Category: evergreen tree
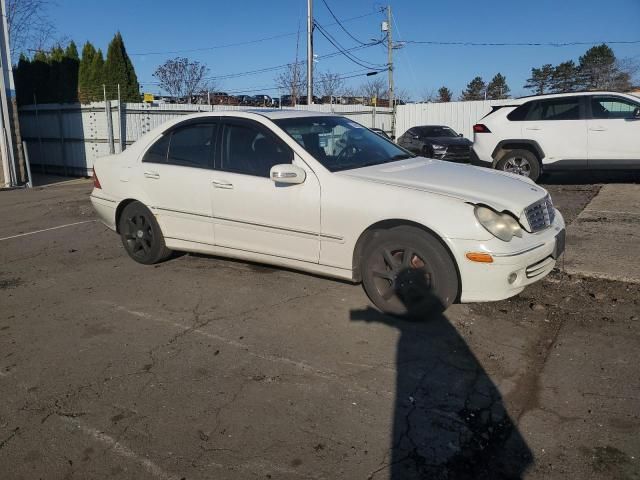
[84,73]
[565,78]
[56,80]
[40,68]
[69,74]
[23,81]
[475,90]
[498,88]
[598,70]
[541,79]
[96,77]
[119,71]
[444,94]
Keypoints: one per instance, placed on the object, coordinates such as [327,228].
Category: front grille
[457,153]
[540,215]
[458,148]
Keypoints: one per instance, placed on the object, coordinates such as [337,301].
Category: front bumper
[530,259]
[457,155]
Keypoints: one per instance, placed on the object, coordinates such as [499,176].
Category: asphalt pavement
[205,368]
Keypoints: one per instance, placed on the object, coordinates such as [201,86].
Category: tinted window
[252,151]
[436,132]
[612,107]
[158,151]
[567,108]
[519,113]
[192,146]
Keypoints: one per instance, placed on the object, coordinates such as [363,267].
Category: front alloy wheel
[407,272]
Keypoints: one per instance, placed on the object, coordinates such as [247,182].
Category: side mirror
[460,135]
[287,173]
[636,113]
[415,137]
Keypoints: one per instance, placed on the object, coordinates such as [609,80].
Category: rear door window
[565,108]
[192,146]
[158,151]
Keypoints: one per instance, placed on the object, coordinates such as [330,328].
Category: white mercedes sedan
[322,194]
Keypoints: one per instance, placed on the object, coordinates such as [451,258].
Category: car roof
[568,94]
[272,114]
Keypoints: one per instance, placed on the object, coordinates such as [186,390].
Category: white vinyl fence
[461,116]
[67,138]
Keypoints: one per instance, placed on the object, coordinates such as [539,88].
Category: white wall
[461,116]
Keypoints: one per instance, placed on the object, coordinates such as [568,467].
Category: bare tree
[182,78]
[429,95]
[402,95]
[30,26]
[330,84]
[374,88]
[291,81]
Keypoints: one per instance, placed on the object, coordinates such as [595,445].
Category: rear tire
[521,162]
[408,273]
[141,235]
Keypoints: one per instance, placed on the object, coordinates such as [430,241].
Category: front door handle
[150,174]
[222,184]
[597,129]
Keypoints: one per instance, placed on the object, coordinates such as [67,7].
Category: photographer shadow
[449,418]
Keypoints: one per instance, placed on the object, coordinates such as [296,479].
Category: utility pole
[309,52]
[390,55]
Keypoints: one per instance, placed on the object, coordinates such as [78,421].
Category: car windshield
[436,132]
[341,144]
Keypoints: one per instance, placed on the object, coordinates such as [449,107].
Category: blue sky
[168,26]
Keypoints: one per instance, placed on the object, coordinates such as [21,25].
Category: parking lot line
[246,348]
[116,447]
[46,230]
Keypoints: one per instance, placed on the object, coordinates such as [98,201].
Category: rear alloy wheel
[141,235]
[408,273]
[520,162]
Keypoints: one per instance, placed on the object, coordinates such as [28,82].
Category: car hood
[447,140]
[499,190]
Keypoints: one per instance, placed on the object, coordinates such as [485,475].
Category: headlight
[436,146]
[500,225]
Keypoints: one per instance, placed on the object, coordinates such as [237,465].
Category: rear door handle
[222,184]
[150,174]
[597,129]
[532,128]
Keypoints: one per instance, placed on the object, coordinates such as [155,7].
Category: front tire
[520,162]
[408,273]
[141,235]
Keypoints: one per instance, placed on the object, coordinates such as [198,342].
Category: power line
[341,25]
[517,44]
[275,67]
[247,42]
[345,52]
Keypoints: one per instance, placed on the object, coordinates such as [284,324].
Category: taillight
[96,182]
[481,128]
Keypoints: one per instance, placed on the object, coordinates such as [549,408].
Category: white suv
[588,130]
